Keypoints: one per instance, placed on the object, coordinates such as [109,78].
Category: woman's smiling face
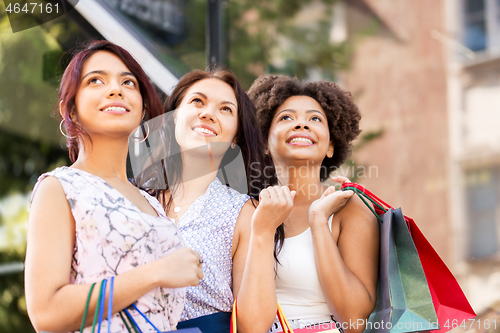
[108,101]
[207,113]
[299,131]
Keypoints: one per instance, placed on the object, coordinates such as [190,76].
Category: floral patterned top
[112,237]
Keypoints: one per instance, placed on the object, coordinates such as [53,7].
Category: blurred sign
[11,268]
[165,15]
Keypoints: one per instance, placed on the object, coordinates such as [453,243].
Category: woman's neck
[106,158]
[303,178]
[198,171]
[190,190]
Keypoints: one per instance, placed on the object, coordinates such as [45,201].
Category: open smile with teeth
[115,109]
[301,140]
[204,131]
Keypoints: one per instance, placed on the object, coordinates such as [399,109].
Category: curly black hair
[270,91]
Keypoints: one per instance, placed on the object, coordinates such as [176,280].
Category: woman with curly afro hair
[326,251]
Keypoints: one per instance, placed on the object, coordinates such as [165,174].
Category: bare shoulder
[48,203]
[358,242]
[245,217]
[355,214]
[48,189]
[50,215]
[249,207]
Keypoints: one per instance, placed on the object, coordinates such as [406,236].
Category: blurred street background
[424,73]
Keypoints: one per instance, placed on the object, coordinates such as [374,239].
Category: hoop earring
[62,132]
[141,126]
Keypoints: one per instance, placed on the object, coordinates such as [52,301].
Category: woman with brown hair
[88,223]
[213,121]
[327,249]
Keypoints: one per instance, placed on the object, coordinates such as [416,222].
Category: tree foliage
[284,36]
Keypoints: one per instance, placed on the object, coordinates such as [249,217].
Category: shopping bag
[449,301]
[404,302]
[320,328]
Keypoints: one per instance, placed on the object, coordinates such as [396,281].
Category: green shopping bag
[404,302]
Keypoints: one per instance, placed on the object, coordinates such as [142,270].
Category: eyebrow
[106,73]
[295,111]
[205,97]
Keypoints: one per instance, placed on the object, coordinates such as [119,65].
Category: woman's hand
[275,203]
[253,261]
[330,202]
[340,179]
[181,268]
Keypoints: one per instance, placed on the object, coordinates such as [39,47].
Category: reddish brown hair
[70,83]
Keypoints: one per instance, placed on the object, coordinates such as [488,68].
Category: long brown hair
[248,136]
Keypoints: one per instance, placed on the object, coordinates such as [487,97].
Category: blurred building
[427,75]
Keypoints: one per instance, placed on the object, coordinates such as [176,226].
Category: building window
[481,26]
[475,28]
[483,206]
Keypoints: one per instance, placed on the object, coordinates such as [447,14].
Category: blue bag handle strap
[147,319]
[101,306]
[132,320]
[96,314]
[110,302]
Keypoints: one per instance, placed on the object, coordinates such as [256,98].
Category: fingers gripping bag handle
[364,194]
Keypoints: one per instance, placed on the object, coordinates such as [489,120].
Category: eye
[227,108]
[197,101]
[316,118]
[287,117]
[129,82]
[95,80]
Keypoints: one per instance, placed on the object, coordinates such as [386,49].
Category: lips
[115,108]
[204,130]
[300,140]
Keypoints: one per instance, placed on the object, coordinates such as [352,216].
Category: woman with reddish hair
[88,223]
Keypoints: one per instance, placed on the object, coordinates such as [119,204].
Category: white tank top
[297,283]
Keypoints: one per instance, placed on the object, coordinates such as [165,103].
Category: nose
[301,125]
[115,89]
[207,113]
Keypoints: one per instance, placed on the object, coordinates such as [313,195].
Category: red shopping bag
[449,300]
[450,303]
